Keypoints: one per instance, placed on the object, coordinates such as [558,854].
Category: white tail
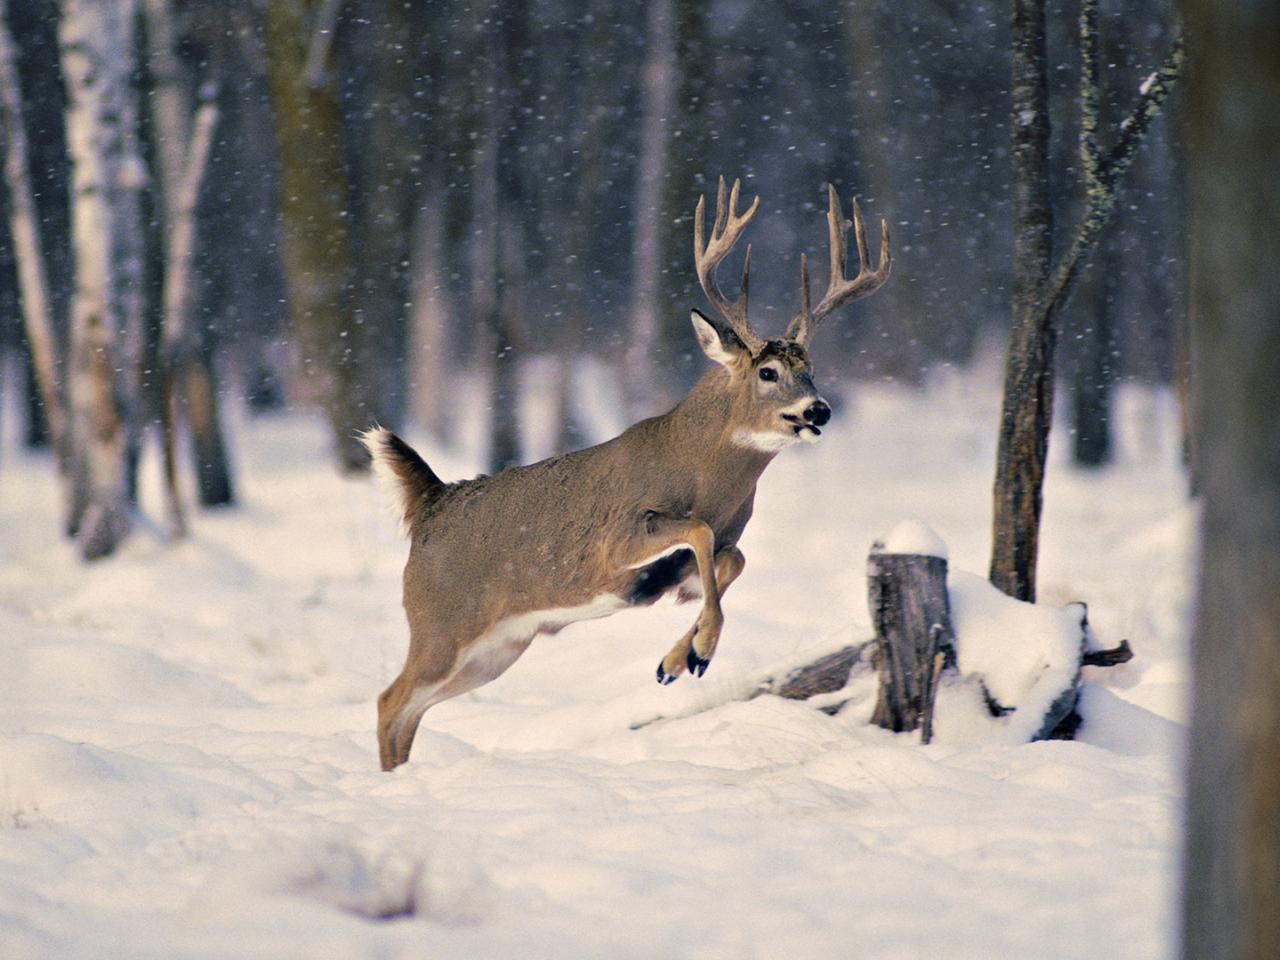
[495,561]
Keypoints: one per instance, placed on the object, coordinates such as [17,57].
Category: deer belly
[659,577]
[500,646]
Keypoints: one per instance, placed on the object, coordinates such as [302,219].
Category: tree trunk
[429,324]
[316,234]
[383,118]
[1095,364]
[24,224]
[687,124]
[500,210]
[1231,861]
[186,355]
[656,103]
[96,39]
[1028,393]
[915,642]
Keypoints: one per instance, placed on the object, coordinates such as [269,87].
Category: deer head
[770,381]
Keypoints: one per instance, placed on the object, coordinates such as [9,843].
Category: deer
[658,510]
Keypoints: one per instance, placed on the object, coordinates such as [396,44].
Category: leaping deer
[497,560]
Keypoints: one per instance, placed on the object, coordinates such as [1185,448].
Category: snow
[914,537]
[188,766]
[1025,654]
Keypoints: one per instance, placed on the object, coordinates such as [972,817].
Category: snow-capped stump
[910,610]
[950,646]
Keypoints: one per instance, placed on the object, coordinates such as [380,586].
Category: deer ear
[721,345]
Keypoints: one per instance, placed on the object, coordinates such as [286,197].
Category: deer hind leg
[728,566]
[400,710]
[428,668]
[451,674]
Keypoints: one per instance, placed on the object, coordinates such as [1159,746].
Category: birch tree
[97,46]
[183,140]
[1042,282]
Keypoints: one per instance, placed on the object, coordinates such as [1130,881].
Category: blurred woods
[425,210]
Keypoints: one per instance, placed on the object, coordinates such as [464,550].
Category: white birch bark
[96,39]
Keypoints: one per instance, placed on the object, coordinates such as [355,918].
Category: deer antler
[839,289]
[707,256]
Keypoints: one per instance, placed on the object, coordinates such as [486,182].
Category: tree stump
[915,642]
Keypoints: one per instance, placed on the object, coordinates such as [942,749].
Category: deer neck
[703,423]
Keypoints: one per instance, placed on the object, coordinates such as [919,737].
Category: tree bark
[1231,860]
[385,170]
[915,642]
[684,180]
[1028,392]
[501,206]
[318,261]
[657,98]
[1095,365]
[96,38]
[186,354]
[24,224]
[179,346]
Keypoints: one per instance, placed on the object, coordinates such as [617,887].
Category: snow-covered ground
[188,766]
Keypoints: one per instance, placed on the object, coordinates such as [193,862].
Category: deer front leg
[660,535]
[729,564]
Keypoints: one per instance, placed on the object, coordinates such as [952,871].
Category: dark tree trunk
[199,387]
[40,352]
[37,435]
[1231,862]
[502,209]
[911,613]
[384,47]
[684,181]
[1028,393]
[1095,365]
[316,230]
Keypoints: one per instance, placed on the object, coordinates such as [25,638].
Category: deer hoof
[665,678]
[697,665]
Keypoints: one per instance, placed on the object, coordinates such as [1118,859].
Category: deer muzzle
[817,413]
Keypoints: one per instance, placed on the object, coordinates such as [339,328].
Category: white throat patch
[766,441]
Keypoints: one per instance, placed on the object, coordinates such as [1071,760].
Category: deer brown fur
[497,560]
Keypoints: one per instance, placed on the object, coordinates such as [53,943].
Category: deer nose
[817,413]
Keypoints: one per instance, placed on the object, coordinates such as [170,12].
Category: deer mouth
[801,429]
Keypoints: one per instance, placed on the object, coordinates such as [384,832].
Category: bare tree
[1041,282]
[1231,863]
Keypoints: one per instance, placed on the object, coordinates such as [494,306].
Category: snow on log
[1019,665]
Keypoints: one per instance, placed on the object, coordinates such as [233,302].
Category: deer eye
[768,374]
